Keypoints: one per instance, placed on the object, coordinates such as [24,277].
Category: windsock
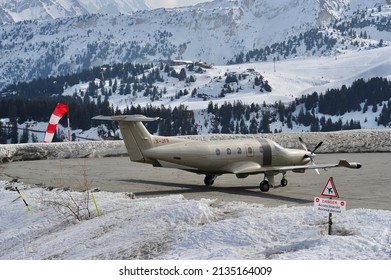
[58,112]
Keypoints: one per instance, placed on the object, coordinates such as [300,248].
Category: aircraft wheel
[264,186]
[284,182]
[209,180]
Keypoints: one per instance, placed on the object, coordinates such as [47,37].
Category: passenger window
[217,152]
[228,151]
[239,151]
[250,150]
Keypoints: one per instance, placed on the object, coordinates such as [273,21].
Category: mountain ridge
[23,10]
[214,32]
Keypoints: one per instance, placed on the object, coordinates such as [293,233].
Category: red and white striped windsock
[58,112]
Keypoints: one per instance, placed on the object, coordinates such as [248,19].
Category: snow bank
[353,141]
[84,149]
[172,227]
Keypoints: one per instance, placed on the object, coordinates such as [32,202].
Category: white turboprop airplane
[242,157]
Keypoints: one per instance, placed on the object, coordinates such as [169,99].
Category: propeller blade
[317,146]
[303,144]
[312,155]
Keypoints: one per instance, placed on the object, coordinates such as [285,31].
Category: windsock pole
[69,129]
[21,196]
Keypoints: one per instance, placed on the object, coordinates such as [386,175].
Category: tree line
[316,111]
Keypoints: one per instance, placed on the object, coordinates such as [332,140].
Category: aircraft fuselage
[217,157]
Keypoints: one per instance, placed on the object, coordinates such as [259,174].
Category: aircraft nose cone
[309,156]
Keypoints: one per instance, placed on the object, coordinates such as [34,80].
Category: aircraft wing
[253,167]
[302,168]
[244,167]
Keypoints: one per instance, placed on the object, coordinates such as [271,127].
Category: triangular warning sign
[329,189]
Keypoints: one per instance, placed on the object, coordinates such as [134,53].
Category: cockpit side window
[278,147]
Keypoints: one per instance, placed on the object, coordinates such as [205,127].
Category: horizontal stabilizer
[125,118]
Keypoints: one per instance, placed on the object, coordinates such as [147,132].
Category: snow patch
[171,227]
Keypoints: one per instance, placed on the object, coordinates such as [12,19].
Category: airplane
[242,157]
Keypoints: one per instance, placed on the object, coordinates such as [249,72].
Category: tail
[136,137]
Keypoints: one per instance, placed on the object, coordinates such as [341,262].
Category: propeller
[312,155]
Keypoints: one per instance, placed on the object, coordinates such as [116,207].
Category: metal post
[69,128]
[96,204]
[330,222]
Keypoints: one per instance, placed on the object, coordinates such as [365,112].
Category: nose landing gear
[265,185]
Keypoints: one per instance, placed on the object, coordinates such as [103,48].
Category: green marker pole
[96,204]
[21,196]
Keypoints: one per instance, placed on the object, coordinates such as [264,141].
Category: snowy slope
[21,10]
[214,32]
[292,78]
[155,4]
[12,11]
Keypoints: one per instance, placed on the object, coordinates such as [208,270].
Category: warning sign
[329,205]
[329,189]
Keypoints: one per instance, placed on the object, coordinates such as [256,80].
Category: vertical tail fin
[136,137]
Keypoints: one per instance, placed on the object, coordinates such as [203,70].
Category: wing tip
[345,163]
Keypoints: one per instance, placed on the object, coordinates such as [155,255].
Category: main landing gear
[209,180]
[264,186]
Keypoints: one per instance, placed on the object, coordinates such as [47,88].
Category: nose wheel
[284,182]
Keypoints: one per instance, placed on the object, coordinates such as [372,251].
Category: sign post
[328,204]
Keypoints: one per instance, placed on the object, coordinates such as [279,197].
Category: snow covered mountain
[214,32]
[298,46]
[12,11]
[19,10]
[246,95]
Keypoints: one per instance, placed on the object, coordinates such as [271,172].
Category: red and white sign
[329,205]
[329,189]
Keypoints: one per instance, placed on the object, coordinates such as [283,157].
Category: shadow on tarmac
[191,188]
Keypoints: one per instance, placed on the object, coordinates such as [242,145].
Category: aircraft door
[266,152]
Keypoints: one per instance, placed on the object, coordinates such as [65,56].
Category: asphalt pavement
[368,187]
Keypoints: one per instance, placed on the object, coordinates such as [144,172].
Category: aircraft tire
[284,182]
[264,186]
